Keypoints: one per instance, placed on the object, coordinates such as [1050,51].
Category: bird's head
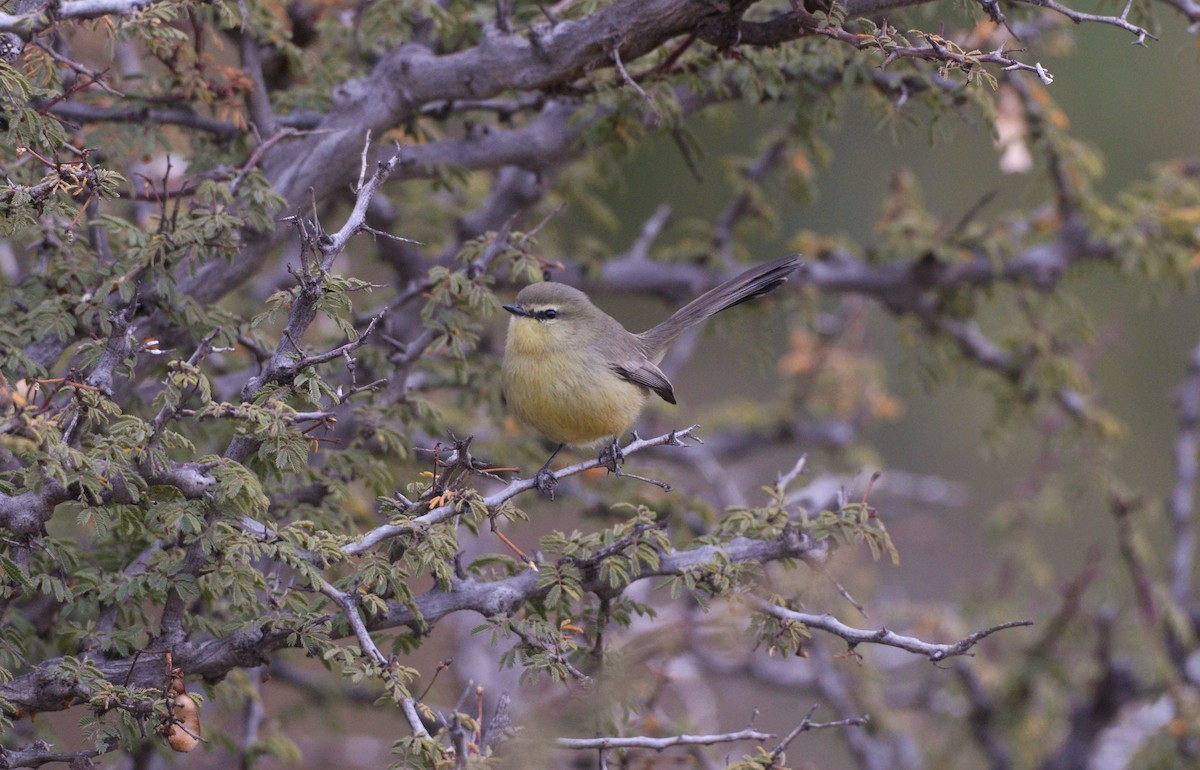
[547,315]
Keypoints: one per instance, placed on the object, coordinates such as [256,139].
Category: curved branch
[1079,17]
[78,112]
[857,636]
[412,76]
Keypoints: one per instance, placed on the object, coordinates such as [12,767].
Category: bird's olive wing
[649,376]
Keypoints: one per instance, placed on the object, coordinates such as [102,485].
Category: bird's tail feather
[753,283]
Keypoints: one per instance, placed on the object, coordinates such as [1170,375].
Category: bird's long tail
[754,282]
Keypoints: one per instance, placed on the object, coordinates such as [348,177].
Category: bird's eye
[549,313]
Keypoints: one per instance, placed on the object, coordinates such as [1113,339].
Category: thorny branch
[1079,17]
[514,488]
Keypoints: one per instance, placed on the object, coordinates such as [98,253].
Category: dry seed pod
[184,733]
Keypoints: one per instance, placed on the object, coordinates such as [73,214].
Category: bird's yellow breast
[563,389]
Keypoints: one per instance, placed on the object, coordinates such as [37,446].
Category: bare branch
[116,350]
[629,81]
[1079,17]
[658,744]
[1134,557]
[807,725]
[936,49]
[871,749]
[258,100]
[857,636]
[342,350]
[79,112]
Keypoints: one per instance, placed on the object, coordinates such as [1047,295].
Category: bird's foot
[612,457]
[545,482]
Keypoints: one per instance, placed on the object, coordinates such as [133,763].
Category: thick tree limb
[25,515]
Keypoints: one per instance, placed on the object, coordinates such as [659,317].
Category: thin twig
[857,636]
[656,116]
[1080,17]
[807,724]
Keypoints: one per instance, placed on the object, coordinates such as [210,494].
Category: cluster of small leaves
[761,760]
[385,25]
[615,556]
[24,126]
[136,709]
[1154,227]
[195,74]
[42,574]
[73,302]
[357,667]
[457,299]
[766,522]
[719,577]
[544,648]
[852,524]
[420,752]
[781,637]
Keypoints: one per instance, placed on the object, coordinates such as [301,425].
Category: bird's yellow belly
[569,402]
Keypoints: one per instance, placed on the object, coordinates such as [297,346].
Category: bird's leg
[544,479]
[612,456]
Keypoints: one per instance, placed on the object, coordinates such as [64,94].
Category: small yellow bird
[574,374]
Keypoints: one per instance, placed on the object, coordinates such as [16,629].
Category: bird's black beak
[516,310]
